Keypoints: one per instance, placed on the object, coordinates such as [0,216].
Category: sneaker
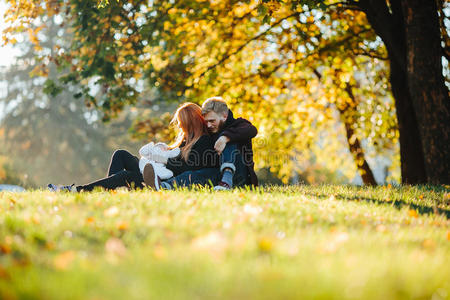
[61,188]
[150,177]
[222,186]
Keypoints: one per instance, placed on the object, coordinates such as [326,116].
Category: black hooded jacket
[241,132]
[202,155]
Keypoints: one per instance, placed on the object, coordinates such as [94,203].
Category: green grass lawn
[292,242]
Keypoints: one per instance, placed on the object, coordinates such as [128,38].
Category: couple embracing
[212,148]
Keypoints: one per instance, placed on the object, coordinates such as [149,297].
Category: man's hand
[220,144]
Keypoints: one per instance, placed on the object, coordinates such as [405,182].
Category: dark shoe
[150,177]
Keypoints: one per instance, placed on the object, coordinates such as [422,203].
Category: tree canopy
[311,75]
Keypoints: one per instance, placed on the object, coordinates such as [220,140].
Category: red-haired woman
[196,152]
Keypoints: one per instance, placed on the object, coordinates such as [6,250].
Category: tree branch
[364,52]
[345,5]
[239,49]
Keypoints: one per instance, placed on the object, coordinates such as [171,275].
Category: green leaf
[50,88]
[262,10]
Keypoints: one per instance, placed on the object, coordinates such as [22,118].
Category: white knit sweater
[151,152]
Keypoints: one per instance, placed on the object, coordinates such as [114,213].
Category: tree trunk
[389,26]
[354,143]
[357,152]
[430,96]
[411,155]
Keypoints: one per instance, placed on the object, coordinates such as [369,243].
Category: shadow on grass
[399,204]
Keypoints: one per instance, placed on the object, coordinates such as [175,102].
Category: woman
[196,147]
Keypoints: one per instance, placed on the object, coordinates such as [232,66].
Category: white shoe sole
[221,188]
[150,178]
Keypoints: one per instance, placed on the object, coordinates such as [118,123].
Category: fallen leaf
[122,225]
[159,252]
[429,244]
[63,260]
[413,213]
[265,244]
[5,249]
[35,220]
[381,228]
[4,273]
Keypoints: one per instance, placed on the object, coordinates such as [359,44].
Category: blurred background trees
[50,138]
[325,82]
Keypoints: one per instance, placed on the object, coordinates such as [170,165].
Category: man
[233,143]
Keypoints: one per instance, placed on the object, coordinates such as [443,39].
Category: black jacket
[202,155]
[241,132]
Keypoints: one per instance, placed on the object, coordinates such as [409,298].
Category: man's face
[214,121]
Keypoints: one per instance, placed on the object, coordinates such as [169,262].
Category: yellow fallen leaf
[159,252]
[265,244]
[4,273]
[413,213]
[50,245]
[381,228]
[63,260]
[429,244]
[122,225]
[5,248]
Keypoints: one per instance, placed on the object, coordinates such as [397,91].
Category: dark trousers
[206,176]
[212,176]
[123,171]
[232,156]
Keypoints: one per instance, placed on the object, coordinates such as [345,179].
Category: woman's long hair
[192,126]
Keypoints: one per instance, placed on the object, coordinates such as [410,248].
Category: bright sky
[7,53]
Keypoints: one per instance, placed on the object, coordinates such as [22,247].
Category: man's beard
[219,128]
